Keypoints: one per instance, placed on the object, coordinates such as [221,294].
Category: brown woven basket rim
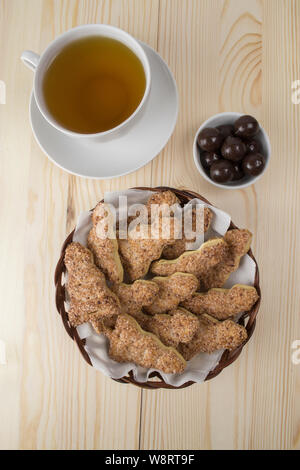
[227,358]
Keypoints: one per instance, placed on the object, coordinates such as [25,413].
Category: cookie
[78,259]
[146,245]
[129,343]
[178,326]
[172,290]
[137,295]
[223,303]
[175,327]
[103,244]
[202,224]
[239,242]
[158,205]
[90,298]
[213,335]
[196,262]
[162,198]
[101,325]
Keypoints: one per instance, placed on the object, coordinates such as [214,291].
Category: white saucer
[127,153]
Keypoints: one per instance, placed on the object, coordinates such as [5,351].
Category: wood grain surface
[232,55]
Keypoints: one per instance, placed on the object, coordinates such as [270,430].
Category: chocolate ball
[238,173]
[246,126]
[208,158]
[226,130]
[253,164]
[221,171]
[210,139]
[253,146]
[233,149]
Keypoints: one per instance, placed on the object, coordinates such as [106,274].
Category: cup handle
[30,59]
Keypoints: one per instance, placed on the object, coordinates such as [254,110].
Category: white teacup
[39,64]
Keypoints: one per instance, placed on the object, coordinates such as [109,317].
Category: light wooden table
[234,55]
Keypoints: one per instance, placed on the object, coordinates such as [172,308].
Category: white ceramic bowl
[230,118]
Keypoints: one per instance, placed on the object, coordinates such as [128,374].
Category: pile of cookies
[172,306]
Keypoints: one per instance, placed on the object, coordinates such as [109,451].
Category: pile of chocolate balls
[230,152]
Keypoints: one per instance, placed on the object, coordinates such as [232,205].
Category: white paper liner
[97,345]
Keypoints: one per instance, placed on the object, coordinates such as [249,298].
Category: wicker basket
[156,381]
